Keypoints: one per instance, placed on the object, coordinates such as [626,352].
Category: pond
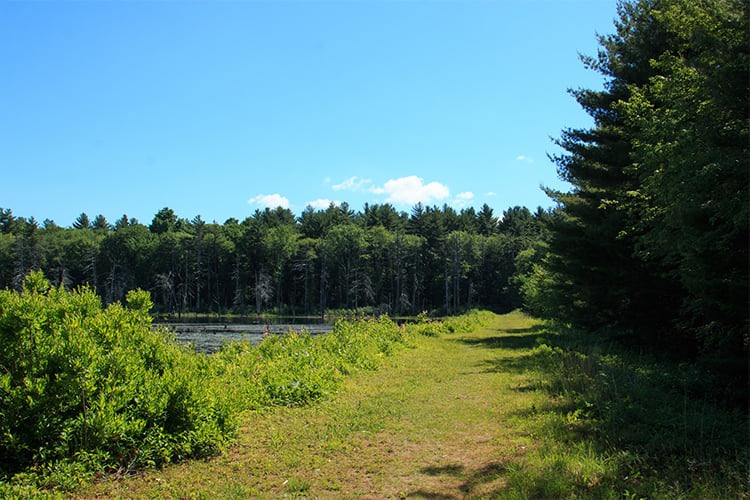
[208,334]
[208,337]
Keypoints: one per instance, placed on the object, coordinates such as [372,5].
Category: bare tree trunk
[456,282]
[258,299]
[278,291]
[90,269]
[19,263]
[322,288]
[398,273]
[198,280]
[447,288]
[307,272]
[238,298]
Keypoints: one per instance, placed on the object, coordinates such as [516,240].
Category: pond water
[208,337]
[209,334]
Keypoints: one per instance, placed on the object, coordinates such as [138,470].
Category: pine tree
[82,222]
[653,236]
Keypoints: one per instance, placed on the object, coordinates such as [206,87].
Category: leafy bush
[284,370]
[83,384]
[86,390]
[468,322]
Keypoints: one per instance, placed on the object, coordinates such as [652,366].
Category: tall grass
[87,391]
[630,424]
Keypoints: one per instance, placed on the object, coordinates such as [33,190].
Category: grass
[514,410]
[431,419]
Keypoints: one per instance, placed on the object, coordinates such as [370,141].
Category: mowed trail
[444,420]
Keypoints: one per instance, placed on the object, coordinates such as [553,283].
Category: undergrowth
[629,425]
[88,392]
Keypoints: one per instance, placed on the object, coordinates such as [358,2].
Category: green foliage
[165,220]
[100,224]
[99,387]
[467,322]
[82,222]
[87,390]
[298,368]
[691,148]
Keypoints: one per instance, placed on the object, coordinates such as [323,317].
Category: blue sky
[217,108]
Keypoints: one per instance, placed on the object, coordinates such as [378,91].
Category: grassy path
[441,421]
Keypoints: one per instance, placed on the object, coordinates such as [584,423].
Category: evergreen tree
[122,222]
[82,222]
[636,243]
[691,159]
[486,221]
[164,220]
[100,223]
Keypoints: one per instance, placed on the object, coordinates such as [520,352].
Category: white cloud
[351,184]
[462,199]
[525,158]
[492,193]
[410,190]
[322,203]
[269,200]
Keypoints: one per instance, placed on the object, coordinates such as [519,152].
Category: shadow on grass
[471,479]
[660,421]
[513,362]
[510,364]
[615,413]
[517,341]
[452,470]
[513,339]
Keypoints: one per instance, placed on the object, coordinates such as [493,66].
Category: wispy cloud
[463,199]
[527,159]
[351,184]
[322,203]
[410,190]
[269,200]
[492,193]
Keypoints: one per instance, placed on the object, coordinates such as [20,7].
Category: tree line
[434,259]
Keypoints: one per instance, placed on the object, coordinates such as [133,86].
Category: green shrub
[79,383]
[86,390]
[468,322]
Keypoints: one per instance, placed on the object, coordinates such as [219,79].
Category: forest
[434,259]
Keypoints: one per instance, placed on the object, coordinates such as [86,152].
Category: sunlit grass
[510,411]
